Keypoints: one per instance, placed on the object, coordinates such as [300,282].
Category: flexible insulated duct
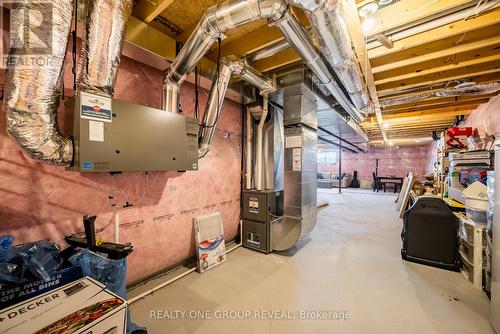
[32,94]
[102,45]
[333,36]
[228,67]
[216,20]
[466,89]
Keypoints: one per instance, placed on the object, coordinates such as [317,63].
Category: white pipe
[258,150]
[173,279]
[116,218]
[248,162]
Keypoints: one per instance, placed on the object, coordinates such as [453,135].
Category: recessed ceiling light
[386,125]
[418,140]
[368,9]
[368,24]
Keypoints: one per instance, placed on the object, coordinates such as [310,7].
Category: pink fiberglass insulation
[38,201]
[395,161]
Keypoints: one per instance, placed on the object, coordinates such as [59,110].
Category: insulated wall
[39,201]
[395,161]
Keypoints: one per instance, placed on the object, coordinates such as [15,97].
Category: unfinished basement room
[250,166]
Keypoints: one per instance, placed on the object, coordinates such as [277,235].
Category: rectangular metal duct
[300,192]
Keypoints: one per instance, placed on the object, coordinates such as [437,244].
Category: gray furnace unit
[261,209]
[118,136]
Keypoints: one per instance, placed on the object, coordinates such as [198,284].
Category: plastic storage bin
[478,216]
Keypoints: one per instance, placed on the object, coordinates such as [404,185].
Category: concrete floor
[351,263]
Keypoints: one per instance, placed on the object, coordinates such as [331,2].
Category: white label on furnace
[97,108]
[297,160]
[293,141]
[96,131]
[253,205]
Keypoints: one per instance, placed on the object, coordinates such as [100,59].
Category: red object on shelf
[456,137]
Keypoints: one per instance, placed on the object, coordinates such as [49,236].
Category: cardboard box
[84,306]
[11,294]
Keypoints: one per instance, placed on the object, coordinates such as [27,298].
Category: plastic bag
[29,262]
[5,245]
[112,273]
[491,201]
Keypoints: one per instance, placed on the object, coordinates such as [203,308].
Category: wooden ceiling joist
[148,10]
[453,29]
[406,12]
[467,66]
[456,110]
[423,106]
[442,80]
[283,58]
[489,42]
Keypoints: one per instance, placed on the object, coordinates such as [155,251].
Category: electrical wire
[128,204]
[196,93]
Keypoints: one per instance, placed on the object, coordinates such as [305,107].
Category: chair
[378,185]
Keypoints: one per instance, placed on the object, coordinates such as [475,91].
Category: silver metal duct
[229,66]
[333,36]
[32,94]
[102,45]
[268,51]
[216,20]
[465,89]
[300,184]
[302,44]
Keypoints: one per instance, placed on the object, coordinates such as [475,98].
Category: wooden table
[390,179]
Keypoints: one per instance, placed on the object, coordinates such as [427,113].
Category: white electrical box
[84,306]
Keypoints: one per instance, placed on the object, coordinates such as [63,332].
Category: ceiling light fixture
[386,125]
[368,9]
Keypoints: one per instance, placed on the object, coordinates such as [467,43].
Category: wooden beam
[434,111]
[146,37]
[452,29]
[286,57]
[148,10]
[354,25]
[492,41]
[417,126]
[495,59]
[431,118]
[441,80]
[386,42]
[257,39]
[404,12]
[449,102]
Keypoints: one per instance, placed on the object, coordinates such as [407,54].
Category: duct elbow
[273,9]
[38,135]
